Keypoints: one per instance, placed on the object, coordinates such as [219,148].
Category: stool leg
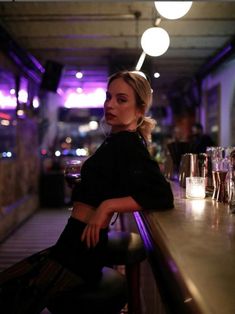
[133,282]
[122,223]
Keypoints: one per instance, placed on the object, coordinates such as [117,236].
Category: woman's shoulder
[124,134]
[126,137]
[130,143]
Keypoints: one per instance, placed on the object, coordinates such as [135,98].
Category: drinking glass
[72,172]
[195,187]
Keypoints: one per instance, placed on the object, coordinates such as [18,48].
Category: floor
[42,230]
[38,232]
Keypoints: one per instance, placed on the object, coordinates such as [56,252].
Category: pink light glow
[23,96]
[5,116]
[7,101]
[93,99]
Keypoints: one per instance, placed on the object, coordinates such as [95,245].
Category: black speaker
[51,77]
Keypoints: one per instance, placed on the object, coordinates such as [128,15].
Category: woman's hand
[100,219]
[103,214]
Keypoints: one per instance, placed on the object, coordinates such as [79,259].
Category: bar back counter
[191,250]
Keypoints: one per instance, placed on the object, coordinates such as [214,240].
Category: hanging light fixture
[172,9]
[155,41]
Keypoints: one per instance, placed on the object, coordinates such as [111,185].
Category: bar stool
[108,296]
[126,248]
[123,248]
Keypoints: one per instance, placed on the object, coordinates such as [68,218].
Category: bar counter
[191,250]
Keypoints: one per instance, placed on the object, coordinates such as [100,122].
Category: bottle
[231,183]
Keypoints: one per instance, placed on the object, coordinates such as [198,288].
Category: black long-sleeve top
[122,166]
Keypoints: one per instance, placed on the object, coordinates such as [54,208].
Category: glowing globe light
[20,113]
[155,41]
[9,154]
[5,122]
[79,75]
[68,140]
[35,102]
[23,96]
[93,125]
[81,152]
[79,90]
[172,9]
[156,74]
[57,153]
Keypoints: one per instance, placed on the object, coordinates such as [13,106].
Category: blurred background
[55,58]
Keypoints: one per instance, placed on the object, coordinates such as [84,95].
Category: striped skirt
[27,286]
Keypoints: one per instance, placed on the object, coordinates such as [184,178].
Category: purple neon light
[219,56]
[144,234]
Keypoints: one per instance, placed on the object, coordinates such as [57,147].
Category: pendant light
[155,41]
[172,9]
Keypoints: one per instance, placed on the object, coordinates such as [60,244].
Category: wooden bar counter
[191,250]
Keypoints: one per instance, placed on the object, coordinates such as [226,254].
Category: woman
[119,177]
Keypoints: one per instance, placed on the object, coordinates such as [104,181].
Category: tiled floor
[38,232]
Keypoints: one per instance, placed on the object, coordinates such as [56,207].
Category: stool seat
[124,248]
[108,296]
[114,290]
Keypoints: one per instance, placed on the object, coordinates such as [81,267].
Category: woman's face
[120,109]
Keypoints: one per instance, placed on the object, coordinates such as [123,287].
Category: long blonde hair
[143,95]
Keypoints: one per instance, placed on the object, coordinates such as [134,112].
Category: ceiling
[99,37]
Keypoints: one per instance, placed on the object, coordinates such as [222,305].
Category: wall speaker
[51,77]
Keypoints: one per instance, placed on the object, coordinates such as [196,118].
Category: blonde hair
[143,95]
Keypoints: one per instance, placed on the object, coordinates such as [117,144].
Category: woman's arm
[103,215]
[120,205]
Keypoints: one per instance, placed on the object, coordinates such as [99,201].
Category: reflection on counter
[197,209]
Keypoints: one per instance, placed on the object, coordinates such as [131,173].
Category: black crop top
[122,166]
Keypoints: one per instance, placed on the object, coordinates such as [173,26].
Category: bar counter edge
[191,250]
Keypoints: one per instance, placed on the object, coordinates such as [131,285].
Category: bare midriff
[82,211]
